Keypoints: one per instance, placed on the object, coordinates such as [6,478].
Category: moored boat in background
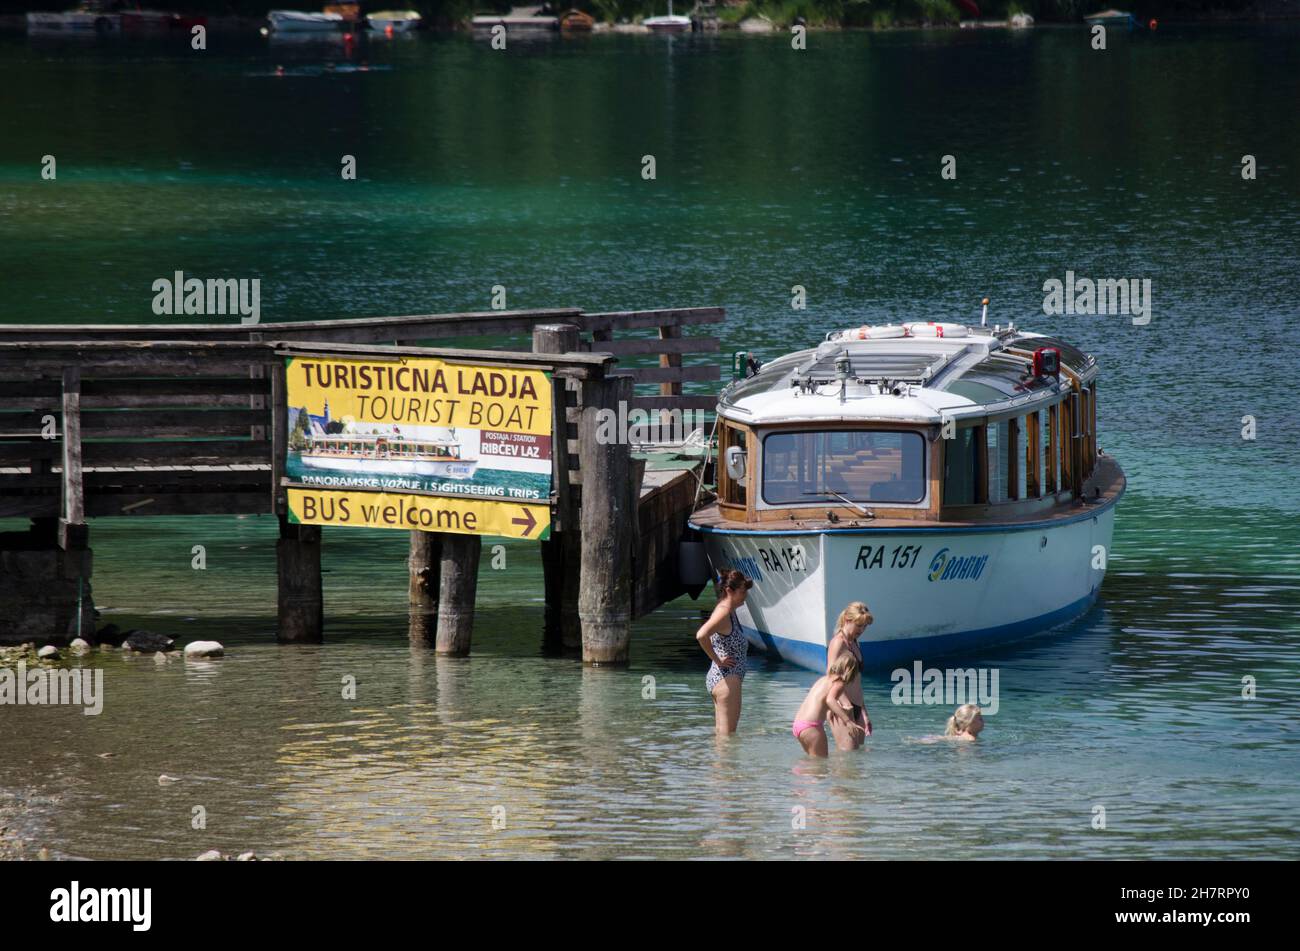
[91,16]
[393,21]
[1113,17]
[667,24]
[297,21]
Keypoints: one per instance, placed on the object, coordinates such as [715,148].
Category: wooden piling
[297,563]
[425,569]
[605,591]
[562,552]
[459,583]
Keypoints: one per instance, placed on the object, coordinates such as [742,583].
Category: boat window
[1092,422]
[994,379]
[999,460]
[733,492]
[1051,448]
[1047,472]
[1066,410]
[1031,456]
[862,465]
[1016,457]
[960,463]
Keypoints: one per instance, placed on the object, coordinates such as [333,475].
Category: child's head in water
[966,721]
[845,669]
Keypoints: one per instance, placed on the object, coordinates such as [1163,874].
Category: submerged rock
[147,642]
[48,652]
[165,780]
[204,649]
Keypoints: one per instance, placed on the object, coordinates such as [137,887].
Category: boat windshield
[802,468]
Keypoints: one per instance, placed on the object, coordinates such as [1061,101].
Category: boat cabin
[942,423]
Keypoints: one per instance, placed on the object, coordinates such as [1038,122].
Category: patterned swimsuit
[732,644]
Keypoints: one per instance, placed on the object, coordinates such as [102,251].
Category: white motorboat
[388,455]
[946,475]
[295,21]
[92,16]
[393,21]
[667,24]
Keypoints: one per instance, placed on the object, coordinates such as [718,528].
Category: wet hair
[732,580]
[961,719]
[855,613]
[845,668]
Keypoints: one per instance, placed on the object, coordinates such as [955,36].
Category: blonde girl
[965,723]
[852,623]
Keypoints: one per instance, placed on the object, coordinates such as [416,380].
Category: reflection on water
[476,168]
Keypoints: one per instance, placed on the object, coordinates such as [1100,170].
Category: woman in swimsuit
[723,640]
[826,699]
[853,621]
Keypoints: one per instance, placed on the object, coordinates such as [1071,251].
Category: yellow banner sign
[464,516]
[419,425]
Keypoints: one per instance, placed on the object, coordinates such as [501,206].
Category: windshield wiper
[830,494]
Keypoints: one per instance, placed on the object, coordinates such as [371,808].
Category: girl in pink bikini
[826,699]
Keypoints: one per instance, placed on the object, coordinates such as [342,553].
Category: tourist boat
[946,475]
[1112,18]
[394,21]
[667,24]
[295,21]
[388,455]
[92,16]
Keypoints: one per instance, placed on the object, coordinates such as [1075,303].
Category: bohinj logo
[945,566]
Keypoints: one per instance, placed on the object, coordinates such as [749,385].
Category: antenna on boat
[984,317]
[842,368]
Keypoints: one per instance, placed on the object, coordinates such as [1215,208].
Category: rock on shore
[204,649]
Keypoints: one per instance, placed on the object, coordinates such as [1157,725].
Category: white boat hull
[284,21]
[74,22]
[667,24]
[397,25]
[931,590]
[450,469]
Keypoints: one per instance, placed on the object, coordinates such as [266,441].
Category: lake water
[773,168]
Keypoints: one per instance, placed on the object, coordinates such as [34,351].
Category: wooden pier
[154,420]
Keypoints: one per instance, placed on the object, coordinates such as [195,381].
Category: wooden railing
[652,345]
[167,427]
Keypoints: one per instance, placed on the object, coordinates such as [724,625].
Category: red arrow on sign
[529,523]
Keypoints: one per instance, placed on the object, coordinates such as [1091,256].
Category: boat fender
[936,329]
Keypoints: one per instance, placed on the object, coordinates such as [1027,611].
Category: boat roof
[915,379]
